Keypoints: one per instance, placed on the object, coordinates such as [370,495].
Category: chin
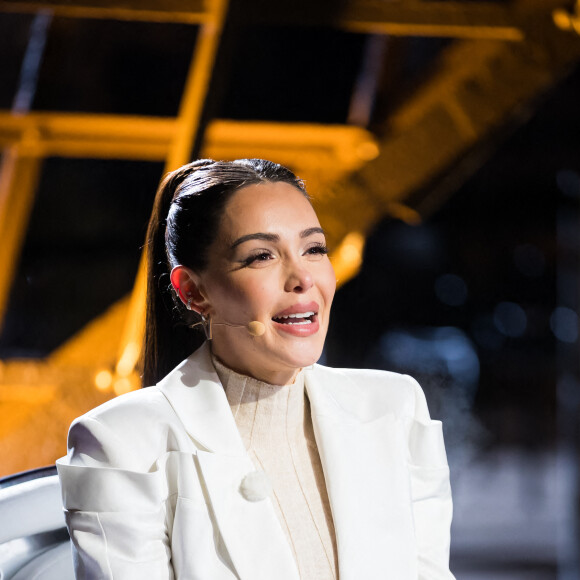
[304,357]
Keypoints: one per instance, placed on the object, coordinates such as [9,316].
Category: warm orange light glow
[128,359]
[39,394]
[566,20]
[333,150]
[122,386]
[39,400]
[103,380]
[347,258]
[368,150]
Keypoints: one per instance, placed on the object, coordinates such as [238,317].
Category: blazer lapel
[250,531]
[199,400]
[362,451]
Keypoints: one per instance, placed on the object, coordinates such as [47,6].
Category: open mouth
[300,318]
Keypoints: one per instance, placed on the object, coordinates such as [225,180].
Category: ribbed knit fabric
[276,428]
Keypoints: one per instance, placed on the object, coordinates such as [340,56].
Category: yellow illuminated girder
[338,149]
[479,87]
[438,18]
[455,19]
[94,346]
[19,173]
[407,18]
[190,12]
[335,150]
[89,135]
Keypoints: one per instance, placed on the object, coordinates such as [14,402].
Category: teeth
[298,315]
[297,323]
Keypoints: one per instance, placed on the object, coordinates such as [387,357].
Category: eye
[317,249]
[258,257]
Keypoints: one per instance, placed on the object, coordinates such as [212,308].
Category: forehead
[267,207]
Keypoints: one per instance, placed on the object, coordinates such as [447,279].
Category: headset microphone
[255,327]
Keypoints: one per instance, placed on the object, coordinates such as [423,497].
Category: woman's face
[268,263]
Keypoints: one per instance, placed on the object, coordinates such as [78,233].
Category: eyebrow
[274,237]
[311,231]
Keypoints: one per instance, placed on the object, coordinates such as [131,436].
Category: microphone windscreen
[256,328]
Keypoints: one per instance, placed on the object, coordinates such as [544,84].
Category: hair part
[188,207]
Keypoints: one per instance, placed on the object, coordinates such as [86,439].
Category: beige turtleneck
[276,427]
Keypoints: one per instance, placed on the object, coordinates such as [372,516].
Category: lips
[297,314]
[298,320]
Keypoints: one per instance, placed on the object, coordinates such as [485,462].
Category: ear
[187,286]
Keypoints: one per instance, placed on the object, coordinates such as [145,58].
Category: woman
[248,460]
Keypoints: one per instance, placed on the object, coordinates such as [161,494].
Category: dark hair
[186,215]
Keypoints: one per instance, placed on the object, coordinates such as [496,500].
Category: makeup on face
[269,264]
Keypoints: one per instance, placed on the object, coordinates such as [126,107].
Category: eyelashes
[260,257]
[317,249]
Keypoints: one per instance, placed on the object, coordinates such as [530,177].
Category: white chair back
[34,542]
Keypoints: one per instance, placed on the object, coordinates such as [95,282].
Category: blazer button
[255,486]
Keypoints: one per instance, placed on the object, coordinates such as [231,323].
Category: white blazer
[151,483]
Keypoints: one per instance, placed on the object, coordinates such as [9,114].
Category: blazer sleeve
[116,516]
[430,491]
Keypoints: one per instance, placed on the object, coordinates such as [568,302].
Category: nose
[298,279]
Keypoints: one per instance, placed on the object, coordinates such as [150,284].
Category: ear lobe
[186,284]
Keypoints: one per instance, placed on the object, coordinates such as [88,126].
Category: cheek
[328,284]
[248,295]
[224,294]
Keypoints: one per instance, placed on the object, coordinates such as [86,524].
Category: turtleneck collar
[227,375]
